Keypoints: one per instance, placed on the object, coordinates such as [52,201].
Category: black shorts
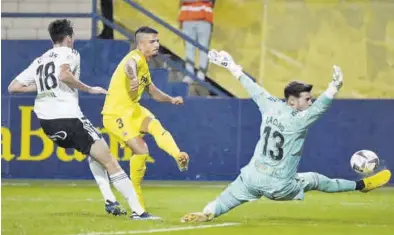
[76,133]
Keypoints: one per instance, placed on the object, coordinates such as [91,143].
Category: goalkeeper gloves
[336,83]
[225,60]
[337,78]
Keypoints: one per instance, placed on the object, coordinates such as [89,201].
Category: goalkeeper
[272,171]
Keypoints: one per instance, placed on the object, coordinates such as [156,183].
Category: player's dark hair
[59,29]
[295,88]
[144,29]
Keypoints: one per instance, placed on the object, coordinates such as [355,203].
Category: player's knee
[110,164]
[106,159]
[138,146]
[316,181]
[320,179]
[140,150]
[113,166]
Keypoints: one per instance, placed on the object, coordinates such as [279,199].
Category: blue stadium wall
[219,134]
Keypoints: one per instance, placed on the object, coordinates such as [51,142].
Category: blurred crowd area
[281,40]
[275,41]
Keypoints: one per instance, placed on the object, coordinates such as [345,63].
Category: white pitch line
[8,184]
[15,184]
[160,229]
[40,199]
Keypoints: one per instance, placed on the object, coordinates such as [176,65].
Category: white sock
[123,184]
[102,180]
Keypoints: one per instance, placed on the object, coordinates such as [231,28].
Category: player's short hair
[59,29]
[146,30]
[295,88]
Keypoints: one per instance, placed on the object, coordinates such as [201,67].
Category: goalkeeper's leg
[165,141]
[234,195]
[314,181]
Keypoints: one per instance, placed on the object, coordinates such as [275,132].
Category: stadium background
[276,40]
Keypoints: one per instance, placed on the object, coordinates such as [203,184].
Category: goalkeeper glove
[225,60]
[337,78]
[336,83]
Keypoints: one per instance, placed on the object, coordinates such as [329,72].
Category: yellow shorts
[127,125]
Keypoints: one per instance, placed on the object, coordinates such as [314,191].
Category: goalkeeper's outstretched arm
[253,89]
[259,95]
[307,117]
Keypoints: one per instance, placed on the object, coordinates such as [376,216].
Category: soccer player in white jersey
[272,171]
[55,77]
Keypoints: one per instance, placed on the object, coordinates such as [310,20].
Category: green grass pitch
[71,208]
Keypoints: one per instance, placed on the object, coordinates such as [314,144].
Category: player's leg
[100,174]
[52,128]
[315,181]
[234,195]
[127,129]
[100,151]
[90,142]
[165,141]
[101,177]
[138,164]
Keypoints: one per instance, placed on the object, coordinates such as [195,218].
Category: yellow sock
[137,173]
[163,138]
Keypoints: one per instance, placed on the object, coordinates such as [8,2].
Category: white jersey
[55,99]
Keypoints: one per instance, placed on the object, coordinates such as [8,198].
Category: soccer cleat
[183,161]
[378,180]
[196,217]
[114,208]
[144,216]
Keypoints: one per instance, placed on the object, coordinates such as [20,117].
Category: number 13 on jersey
[276,152]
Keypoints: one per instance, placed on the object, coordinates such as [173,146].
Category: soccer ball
[364,162]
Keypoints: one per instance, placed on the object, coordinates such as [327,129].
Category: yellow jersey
[119,98]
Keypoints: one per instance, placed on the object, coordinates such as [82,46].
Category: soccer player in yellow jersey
[126,119]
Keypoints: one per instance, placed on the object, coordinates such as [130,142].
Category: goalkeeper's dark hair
[146,30]
[60,29]
[295,88]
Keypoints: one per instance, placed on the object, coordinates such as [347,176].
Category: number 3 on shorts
[120,123]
